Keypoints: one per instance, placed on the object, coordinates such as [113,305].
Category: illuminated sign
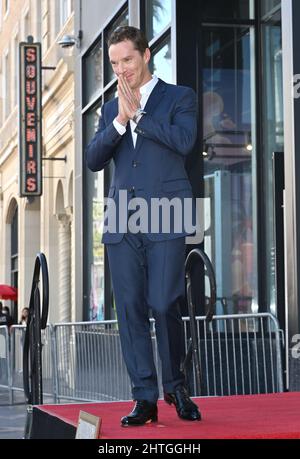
[30,118]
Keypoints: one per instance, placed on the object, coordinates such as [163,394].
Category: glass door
[240,76]
[272,141]
[229,153]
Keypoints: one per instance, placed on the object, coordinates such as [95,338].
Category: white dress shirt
[145,91]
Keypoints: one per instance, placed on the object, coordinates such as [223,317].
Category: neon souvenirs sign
[30,119]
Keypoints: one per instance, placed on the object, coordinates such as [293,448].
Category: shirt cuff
[119,127]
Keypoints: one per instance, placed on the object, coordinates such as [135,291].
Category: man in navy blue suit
[148,132]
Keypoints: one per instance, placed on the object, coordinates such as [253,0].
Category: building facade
[238,56]
[31,225]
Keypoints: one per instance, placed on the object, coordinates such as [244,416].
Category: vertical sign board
[30,119]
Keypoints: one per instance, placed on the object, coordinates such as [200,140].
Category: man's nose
[121,69]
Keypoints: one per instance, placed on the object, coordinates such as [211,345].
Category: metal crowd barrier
[5,368]
[89,363]
[238,354]
[17,338]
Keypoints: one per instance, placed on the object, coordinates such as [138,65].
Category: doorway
[239,70]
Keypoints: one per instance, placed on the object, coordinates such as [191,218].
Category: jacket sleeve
[179,135]
[103,145]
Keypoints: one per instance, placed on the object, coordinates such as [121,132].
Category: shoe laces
[184,395]
[139,403]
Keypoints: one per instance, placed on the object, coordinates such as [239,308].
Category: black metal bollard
[193,351]
[32,351]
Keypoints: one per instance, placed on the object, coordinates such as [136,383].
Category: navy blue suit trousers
[147,276]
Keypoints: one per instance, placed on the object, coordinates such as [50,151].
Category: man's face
[129,62]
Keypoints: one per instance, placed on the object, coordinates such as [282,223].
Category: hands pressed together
[129,101]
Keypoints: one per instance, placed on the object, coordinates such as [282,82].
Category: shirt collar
[147,88]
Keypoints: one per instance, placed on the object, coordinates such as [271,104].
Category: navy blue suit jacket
[155,167]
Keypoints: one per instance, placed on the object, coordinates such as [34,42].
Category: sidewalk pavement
[12,417]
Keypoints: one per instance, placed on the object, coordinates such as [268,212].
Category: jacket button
[134,163]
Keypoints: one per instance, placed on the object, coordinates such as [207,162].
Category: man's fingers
[127,87]
[130,94]
[122,95]
[123,99]
[128,97]
[124,105]
[124,86]
[133,95]
[121,90]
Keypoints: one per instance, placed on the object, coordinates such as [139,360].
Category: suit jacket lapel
[152,102]
[155,96]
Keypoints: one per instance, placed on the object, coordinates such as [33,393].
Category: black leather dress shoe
[185,407]
[142,413]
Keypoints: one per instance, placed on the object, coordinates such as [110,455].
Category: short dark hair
[133,34]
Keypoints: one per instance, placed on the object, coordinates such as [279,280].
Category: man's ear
[147,55]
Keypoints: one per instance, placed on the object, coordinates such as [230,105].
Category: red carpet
[270,416]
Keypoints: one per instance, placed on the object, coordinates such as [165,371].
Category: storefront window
[91,121]
[161,62]
[268,7]
[272,131]
[97,74]
[14,260]
[99,87]
[229,164]
[111,93]
[227,10]
[93,220]
[122,20]
[93,73]
[158,16]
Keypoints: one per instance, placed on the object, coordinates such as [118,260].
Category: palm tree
[155,10]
